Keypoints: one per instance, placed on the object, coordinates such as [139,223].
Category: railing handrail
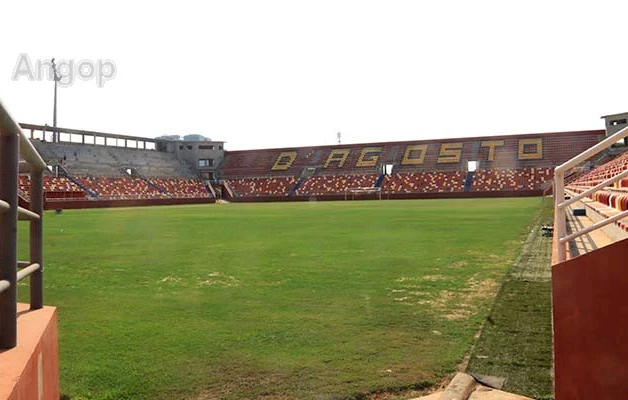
[559,192]
[8,126]
[13,144]
[591,151]
[593,189]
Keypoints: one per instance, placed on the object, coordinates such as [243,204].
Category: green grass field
[516,340]
[275,301]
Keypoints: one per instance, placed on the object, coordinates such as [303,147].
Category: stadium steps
[115,157]
[296,186]
[79,184]
[151,184]
[231,194]
[380,180]
[468,182]
[595,239]
[210,188]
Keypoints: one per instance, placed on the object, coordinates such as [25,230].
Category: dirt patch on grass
[170,279]
[434,278]
[485,289]
[259,385]
[452,305]
[218,279]
[495,259]
[428,278]
[211,279]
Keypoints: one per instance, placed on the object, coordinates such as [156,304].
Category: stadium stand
[511,179]
[106,174]
[120,188]
[588,272]
[507,165]
[520,165]
[500,152]
[424,182]
[181,187]
[107,161]
[603,172]
[256,186]
[335,184]
[240,164]
[54,187]
[609,201]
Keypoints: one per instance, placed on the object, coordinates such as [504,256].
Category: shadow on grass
[516,340]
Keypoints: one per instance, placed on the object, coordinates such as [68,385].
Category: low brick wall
[74,204]
[389,196]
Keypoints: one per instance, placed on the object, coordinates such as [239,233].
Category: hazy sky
[269,73]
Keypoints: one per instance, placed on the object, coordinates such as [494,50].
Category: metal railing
[559,194]
[13,144]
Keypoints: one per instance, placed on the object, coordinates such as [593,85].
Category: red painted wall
[31,369]
[75,204]
[591,325]
[389,196]
[505,152]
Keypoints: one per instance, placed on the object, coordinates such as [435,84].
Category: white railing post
[559,211]
[560,205]
[14,143]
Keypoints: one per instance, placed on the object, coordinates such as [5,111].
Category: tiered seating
[513,163]
[335,184]
[151,163]
[24,184]
[606,202]
[424,182]
[58,187]
[604,172]
[181,188]
[511,179]
[279,186]
[612,199]
[121,188]
[98,160]
[117,188]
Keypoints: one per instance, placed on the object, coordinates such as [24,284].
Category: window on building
[205,162]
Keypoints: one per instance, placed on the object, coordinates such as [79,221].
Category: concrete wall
[615,122]
[591,325]
[30,371]
[192,151]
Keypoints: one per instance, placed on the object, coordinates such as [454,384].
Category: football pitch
[318,300]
